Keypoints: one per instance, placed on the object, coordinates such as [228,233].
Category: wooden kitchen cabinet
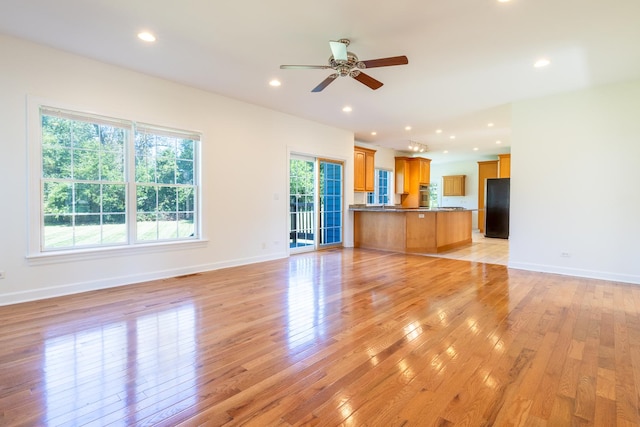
[411,172]
[364,173]
[453,185]
[425,170]
[505,165]
[410,231]
[402,175]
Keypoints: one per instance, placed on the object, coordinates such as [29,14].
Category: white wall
[245,153]
[470,170]
[575,172]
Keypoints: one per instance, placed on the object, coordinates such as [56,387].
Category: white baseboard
[590,274]
[112,282]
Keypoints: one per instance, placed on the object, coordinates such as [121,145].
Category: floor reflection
[82,371]
[306,301]
[166,362]
[101,373]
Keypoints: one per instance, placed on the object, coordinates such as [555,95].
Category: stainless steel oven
[424,197]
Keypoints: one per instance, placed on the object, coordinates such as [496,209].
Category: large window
[106,181]
[382,187]
[165,187]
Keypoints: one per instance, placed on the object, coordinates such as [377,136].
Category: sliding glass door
[331,199]
[315,203]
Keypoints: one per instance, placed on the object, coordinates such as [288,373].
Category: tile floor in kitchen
[482,249]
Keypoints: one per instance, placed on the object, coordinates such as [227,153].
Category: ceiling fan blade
[367,80]
[304,67]
[325,83]
[339,50]
[386,62]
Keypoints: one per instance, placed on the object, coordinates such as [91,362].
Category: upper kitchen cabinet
[505,165]
[364,163]
[425,171]
[411,173]
[453,185]
[402,175]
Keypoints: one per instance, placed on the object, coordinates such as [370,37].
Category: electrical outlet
[2,275]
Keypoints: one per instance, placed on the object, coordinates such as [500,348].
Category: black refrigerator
[496,209]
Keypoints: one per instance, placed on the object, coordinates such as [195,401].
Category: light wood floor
[343,337]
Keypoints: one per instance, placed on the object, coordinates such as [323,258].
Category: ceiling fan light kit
[346,63]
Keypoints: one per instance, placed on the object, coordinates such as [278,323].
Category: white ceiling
[468,59]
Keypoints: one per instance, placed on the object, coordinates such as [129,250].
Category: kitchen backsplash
[462,201]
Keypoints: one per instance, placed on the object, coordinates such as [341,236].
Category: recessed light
[475,149]
[542,62]
[438,130]
[275,83]
[489,125]
[146,36]
[347,109]
[452,137]
[407,128]
[374,133]
[446,151]
[504,1]
[498,142]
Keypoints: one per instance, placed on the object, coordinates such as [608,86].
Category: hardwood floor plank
[585,398]
[626,388]
[562,412]
[606,384]
[338,337]
[605,412]
[544,395]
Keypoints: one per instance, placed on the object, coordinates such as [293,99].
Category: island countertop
[418,230]
[387,208]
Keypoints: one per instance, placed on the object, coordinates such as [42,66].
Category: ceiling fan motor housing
[344,67]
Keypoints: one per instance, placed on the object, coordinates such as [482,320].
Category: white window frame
[35,251]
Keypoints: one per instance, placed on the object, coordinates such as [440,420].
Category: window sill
[56,257]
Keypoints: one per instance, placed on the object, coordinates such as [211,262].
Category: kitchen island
[421,230]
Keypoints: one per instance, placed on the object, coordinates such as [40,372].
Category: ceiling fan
[347,64]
